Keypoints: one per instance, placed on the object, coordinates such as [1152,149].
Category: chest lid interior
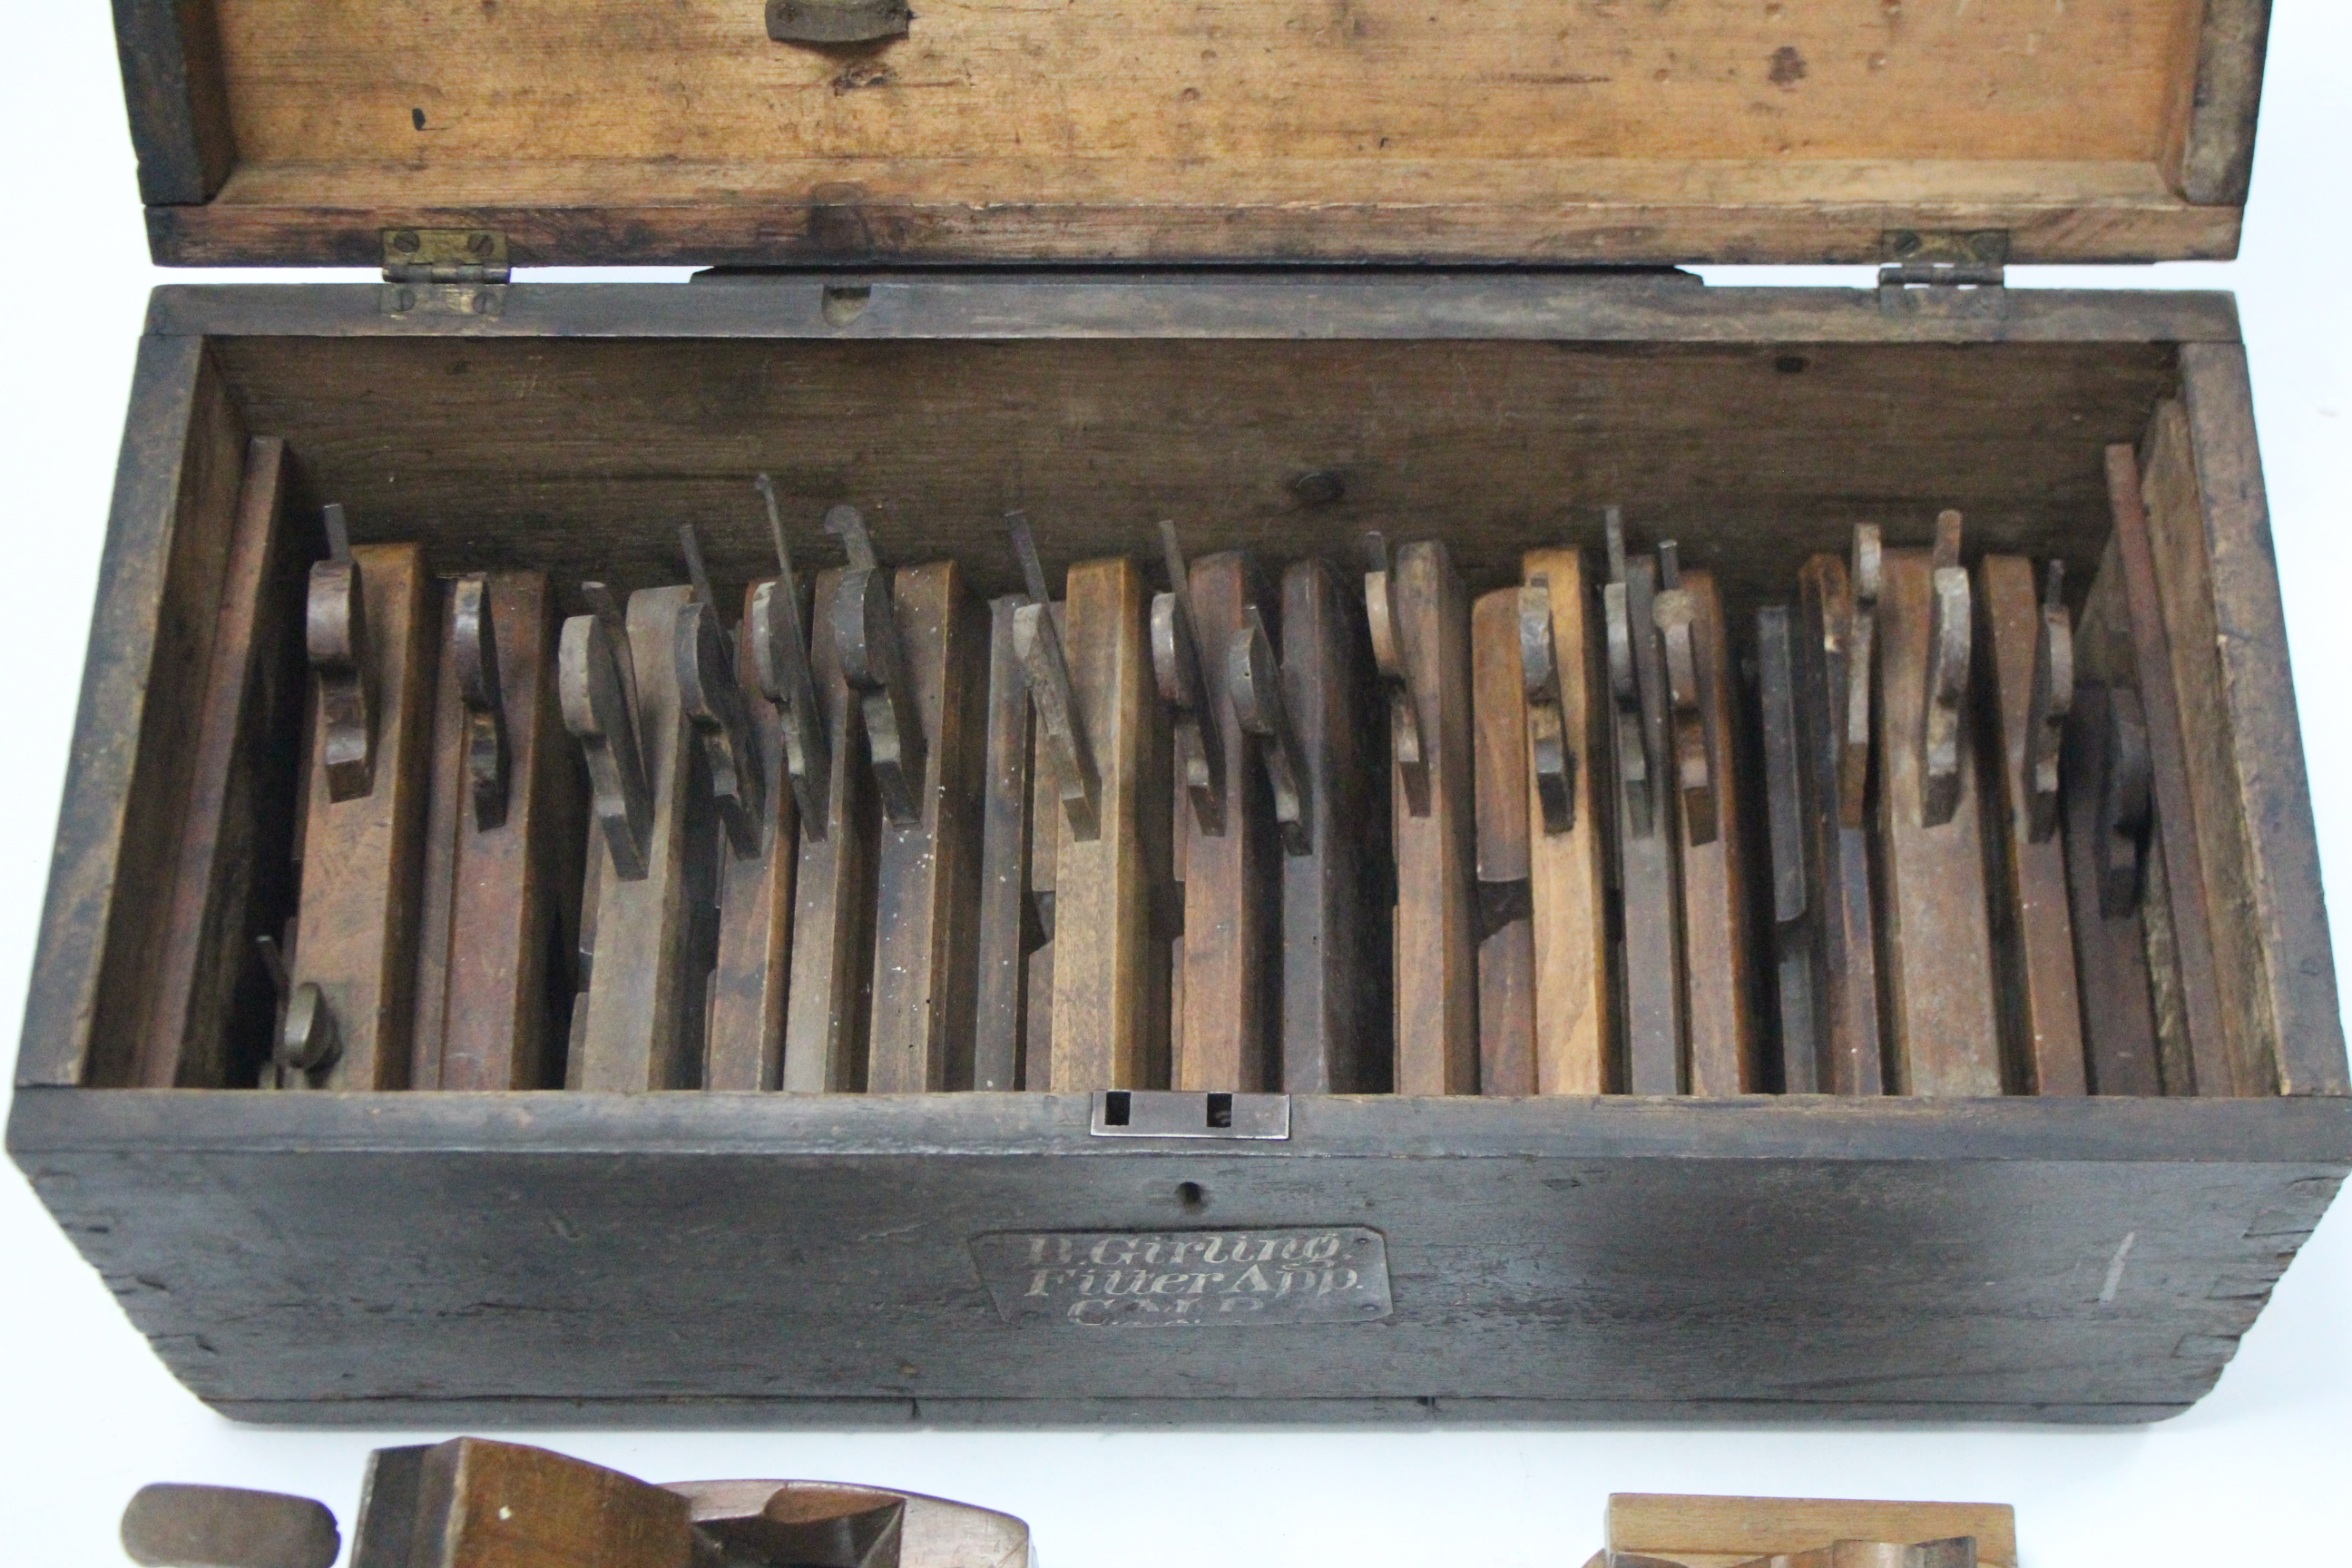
[618,131]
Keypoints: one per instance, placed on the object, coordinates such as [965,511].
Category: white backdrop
[87,1414]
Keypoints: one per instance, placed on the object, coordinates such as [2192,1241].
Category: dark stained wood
[645,994]
[2111,954]
[1229,953]
[1335,931]
[360,860]
[827,998]
[2217,120]
[601,432]
[1486,1205]
[497,902]
[1795,919]
[177,489]
[178,97]
[2167,560]
[1568,872]
[1644,818]
[1437,854]
[2191,992]
[926,872]
[1837,863]
[1726,1052]
[744,1047]
[1501,789]
[1006,924]
[1941,1033]
[2272,796]
[224,889]
[168,1523]
[1106,1011]
[1048,829]
[2031,929]
[484,1504]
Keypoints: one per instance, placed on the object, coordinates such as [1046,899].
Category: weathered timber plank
[2189,994]
[1568,872]
[1005,924]
[1837,861]
[230,871]
[826,1001]
[1334,932]
[495,898]
[1941,1034]
[1500,784]
[1437,854]
[745,1046]
[645,989]
[178,96]
[358,925]
[2031,929]
[1231,965]
[1104,1000]
[926,872]
[2272,795]
[1726,1057]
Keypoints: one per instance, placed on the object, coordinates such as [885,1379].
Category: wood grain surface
[485,1504]
[1837,862]
[227,873]
[499,902]
[1568,872]
[1650,955]
[1501,787]
[2166,556]
[1553,133]
[826,1000]
[1230,951]
[926,872]
[1335,918]
[1719,1531]
[1437,855]
[1726,1051]
[645,1001]
[744,1046]
[1941,1034]
[2032,929]
[1005,923]
[357,936]
[1106,1010]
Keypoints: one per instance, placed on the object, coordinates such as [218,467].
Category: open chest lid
[1605,132]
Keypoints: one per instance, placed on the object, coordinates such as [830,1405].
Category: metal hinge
[1949,271]
[445,271]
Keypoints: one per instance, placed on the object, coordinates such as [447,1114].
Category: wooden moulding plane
[474,1503]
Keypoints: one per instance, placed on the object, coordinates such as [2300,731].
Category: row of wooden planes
[1307,830]
[471,1502]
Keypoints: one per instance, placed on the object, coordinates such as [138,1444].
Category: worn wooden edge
[61,997]
[2274,785]
[2295,1132]
[1727,1528]
[2217,157]
[780,231]
[556,1414]
[1244,303]
[177,97]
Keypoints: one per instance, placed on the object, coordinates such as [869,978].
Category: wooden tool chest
[1289,277]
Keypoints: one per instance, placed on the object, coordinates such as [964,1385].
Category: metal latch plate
[1170,1113]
